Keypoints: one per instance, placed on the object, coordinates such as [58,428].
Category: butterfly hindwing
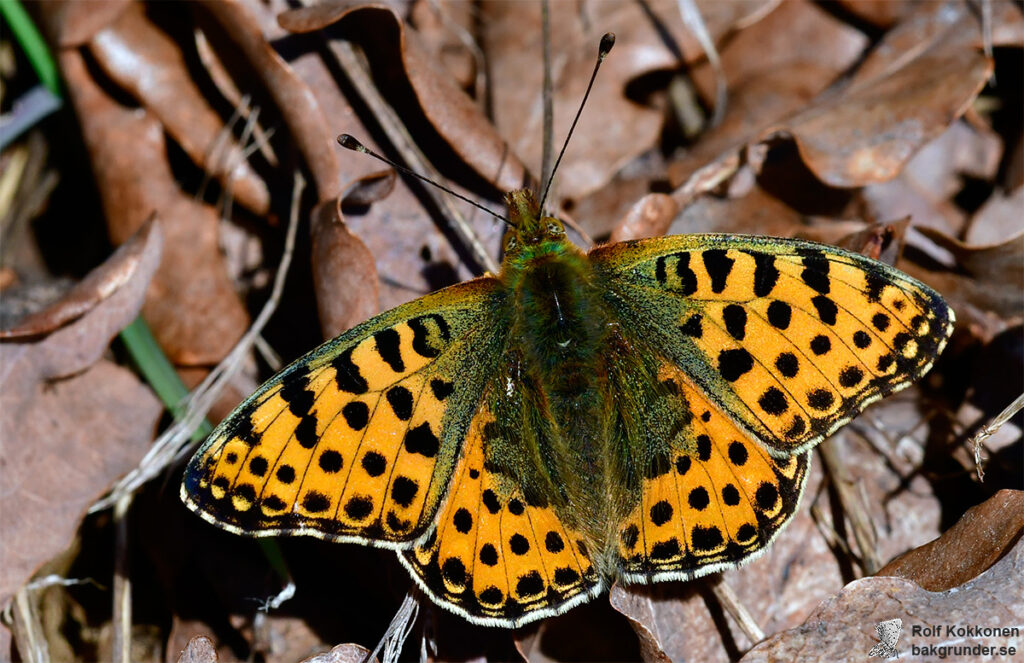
[497,557]
[356,440]
[712,499]
[792,338]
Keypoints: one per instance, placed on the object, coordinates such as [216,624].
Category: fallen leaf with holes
[81,421]
[844,626]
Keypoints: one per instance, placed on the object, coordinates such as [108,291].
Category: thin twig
[269,354]
[122,617]
[175,440]
[398,630]
[828,531]
[732,604]
[977,442]
[480,87]
[695,22]
[351,63]
[547,94]
[28,628]
[853,507]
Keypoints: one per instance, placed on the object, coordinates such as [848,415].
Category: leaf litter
[876,128]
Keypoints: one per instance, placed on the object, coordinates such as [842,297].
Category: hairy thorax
[562,326]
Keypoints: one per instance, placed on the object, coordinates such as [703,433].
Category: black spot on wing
[766,275]
[687,279]
[815,273]
[441,388]
[421,440]
[347,374]
[401,401]
[733,364]
[296,394]
[387,344]
[356,414]
[827,309]
[718,266]
[692,327]
[429,333]
[735,317]
[779,314]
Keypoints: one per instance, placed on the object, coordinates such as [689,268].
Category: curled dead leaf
[344,272]
[294,99]
[451,113]
[192,307]
[844,625]
[70,24]
[348,653]
[81,421]
[99,284]
[981,536]
[370,188]
[649,217]
[147,62]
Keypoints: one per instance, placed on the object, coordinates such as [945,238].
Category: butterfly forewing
[357,440]
[790,337]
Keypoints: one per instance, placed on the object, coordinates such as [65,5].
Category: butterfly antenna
[607,41]
[349,142]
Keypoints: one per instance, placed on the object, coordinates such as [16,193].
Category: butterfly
[643,412]
[888,634]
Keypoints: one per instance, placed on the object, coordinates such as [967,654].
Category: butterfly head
[528,229]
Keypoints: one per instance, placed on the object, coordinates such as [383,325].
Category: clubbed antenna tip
[350,143]
[607,41]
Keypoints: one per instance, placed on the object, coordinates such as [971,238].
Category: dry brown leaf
[880,14]
[998,220]
[344,272]
[793,73]
[844,626]
[650,216]
[967,549]
[70,24]
[347,653]
[792,36]
[451,113]
[99,284]
[293,98]
[758,213]
[147,62]
[192,306]
[81,422]
[199,650]
[925,188]
[924,73]
[604,141]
